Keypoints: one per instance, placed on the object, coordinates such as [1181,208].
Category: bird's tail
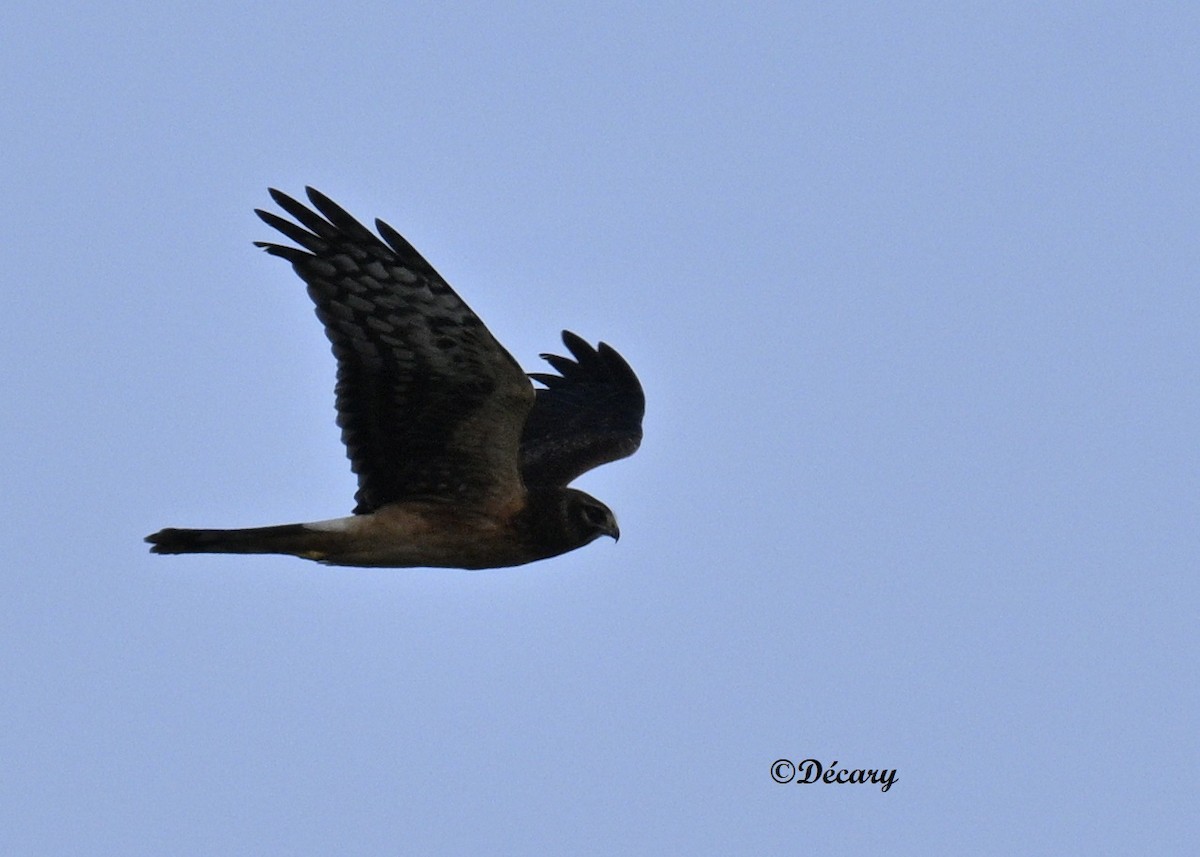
[293,539]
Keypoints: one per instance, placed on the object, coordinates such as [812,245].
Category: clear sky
[912,290]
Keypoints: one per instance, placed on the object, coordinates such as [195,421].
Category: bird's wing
[431,406]
[587,415]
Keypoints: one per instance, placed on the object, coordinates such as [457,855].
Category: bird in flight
[461,462]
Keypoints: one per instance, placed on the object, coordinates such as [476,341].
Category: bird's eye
[593,516]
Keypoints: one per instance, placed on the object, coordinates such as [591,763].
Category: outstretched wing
[431,406]
[589,414]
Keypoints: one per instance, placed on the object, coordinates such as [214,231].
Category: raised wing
[589,414]
[431,406]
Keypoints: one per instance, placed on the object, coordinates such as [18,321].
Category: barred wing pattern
[430,405]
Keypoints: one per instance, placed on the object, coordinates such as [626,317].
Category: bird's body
[461,463]
[399,535]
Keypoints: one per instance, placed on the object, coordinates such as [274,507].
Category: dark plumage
[587,415]
[460,462]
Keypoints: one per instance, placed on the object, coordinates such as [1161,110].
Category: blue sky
[912,292]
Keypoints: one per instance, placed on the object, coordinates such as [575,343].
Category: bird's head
[556,520]
[589,518]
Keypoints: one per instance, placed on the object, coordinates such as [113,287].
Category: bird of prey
[461,462]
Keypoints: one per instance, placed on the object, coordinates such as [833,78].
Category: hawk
[461,462]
